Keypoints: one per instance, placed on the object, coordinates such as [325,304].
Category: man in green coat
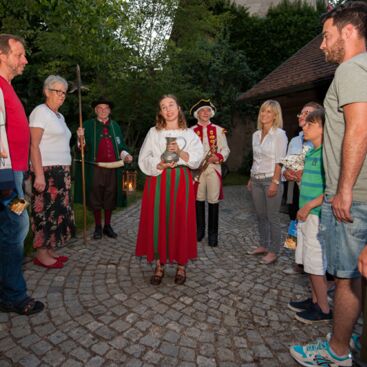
[103,143]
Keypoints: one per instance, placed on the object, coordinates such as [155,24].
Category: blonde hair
[276,109]
[160,122]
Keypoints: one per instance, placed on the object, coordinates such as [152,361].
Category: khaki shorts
[309,251]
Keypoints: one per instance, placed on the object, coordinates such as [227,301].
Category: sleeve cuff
[124,154]
[220,157]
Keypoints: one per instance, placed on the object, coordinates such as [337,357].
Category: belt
[261,176]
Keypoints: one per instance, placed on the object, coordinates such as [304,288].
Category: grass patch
[234,179]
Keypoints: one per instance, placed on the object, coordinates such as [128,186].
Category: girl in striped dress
[167,229]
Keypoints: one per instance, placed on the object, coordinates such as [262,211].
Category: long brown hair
[160,122]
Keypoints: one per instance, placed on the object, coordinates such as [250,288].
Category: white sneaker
[318,354]
[293,270]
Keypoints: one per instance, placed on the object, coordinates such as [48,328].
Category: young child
[309,252]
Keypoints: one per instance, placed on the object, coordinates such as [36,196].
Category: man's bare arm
[354,152]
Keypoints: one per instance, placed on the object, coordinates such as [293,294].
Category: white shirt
[269,152]
[55,141]
[155,144]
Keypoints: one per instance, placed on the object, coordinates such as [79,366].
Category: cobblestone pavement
[102,311]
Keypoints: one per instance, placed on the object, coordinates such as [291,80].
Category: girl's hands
[163,165]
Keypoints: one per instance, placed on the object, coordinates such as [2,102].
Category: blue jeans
[18,180]
[343,242]
[13,231]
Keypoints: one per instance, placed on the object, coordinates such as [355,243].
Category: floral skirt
[51,213]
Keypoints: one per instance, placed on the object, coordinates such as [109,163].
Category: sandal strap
[181,271]
[159,270]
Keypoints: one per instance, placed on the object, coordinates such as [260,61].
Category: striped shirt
[313,179]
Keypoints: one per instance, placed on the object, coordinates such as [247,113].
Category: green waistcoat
[93,133]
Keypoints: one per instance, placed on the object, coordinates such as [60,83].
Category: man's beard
[336,53]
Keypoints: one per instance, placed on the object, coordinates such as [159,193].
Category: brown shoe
[156,278]
[180,277]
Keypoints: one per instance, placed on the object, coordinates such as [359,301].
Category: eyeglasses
[303,113]
[59,92]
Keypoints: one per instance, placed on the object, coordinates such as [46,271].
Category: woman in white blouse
[167,229]
[269,144]
[52,215]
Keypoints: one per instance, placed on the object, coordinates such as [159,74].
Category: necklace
[58,114]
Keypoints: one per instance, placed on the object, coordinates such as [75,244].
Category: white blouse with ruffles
[155,144]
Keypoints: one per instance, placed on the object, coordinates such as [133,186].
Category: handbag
[6,172]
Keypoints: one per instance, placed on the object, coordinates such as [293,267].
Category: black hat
[102,100]
[201,104]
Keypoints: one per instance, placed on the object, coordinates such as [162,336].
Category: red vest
[105,151]
[211,133]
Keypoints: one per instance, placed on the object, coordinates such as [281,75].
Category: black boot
[200,220]
[213,225]
[97,235]
[109,232]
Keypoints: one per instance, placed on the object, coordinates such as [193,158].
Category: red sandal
[156,278]
[180,277]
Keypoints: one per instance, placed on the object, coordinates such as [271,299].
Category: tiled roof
[304,70]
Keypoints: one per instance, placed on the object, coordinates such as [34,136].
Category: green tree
[270,40]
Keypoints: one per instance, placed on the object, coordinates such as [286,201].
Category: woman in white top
[167,229]
[52,216]
[269,145]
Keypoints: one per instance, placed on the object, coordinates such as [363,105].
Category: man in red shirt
[14,227]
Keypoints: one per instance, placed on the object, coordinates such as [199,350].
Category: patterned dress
[53,221]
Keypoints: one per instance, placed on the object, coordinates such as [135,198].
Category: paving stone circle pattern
[102,311]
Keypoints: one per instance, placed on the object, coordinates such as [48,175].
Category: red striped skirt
[167,228]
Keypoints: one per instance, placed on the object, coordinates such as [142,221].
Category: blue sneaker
[318,354]
[354,342]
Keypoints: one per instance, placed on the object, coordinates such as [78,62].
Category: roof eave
[282,92]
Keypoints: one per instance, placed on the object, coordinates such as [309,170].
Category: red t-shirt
[17,127]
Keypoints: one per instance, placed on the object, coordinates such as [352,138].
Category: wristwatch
[274,180]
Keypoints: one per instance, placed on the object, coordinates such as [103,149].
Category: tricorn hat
[102,100]
[201,104]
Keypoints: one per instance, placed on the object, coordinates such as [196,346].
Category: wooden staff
[81,141]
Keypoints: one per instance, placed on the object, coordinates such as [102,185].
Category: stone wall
[261,7]
[240,142]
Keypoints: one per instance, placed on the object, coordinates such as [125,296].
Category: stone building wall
[261,7]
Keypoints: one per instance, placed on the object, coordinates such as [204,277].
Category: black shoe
[200,220]
[97,235]
[314,315]
[108,231]
[213,225]
[27,307]
[300,305]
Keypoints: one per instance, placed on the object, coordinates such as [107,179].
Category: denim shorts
[343,242]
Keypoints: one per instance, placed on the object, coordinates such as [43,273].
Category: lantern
[129,180]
